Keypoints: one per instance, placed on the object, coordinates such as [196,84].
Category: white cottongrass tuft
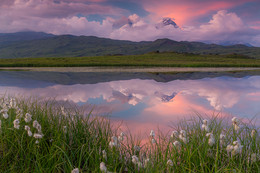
[5,114]
[229,148]
[111,144]
[28,117]
[16,123]
[114,142]
[27,128]
[12,103]
[211,140]
[177,144]
[183,136]
[152,134]
[37,126]
[235,122]
[76,170]
[37,135]
[209,134]
[29,133]
[205,126]
[103,167]
[170,162]
[235,148]
[135,159]
[19,113]
[174,134]
[121,137]
[122,134]
[35,123]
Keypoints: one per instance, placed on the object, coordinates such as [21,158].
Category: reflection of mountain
[30,79]
[124,98]
[24,79]
[167,98]
[136,98]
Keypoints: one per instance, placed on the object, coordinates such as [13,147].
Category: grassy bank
[146,60]
[41,137]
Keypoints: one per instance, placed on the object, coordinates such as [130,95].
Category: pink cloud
[71,25]
[185,12]
[60,18]
[50,9]
[177,109]
[255,25]
[223,26]
[255,96]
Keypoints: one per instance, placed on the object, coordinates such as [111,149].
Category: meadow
[43,136]
[167,59]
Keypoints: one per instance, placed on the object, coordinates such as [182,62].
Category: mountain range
[39,44]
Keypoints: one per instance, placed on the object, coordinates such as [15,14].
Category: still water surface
[144,100]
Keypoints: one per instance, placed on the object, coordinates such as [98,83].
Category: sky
[217,21]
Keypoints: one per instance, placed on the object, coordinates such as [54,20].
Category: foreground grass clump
[41,137]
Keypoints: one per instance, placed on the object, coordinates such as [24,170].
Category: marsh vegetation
[43,136]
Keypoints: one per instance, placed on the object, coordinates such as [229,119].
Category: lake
[142,100]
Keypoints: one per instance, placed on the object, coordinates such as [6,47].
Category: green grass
[80,145]
[146,60]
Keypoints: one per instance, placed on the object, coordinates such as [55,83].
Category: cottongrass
[76,170]
[33,138]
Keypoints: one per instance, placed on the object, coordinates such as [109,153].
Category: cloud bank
[71,17]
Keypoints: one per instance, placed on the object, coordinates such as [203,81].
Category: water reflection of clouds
[147,100]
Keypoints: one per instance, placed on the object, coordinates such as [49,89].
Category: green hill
[82,46]
[9,38]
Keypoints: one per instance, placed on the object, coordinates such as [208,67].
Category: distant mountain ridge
[166,22]
[38,44]
[8,38]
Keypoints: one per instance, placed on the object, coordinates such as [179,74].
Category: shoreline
[131,69]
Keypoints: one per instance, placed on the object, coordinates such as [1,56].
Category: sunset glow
[212,21]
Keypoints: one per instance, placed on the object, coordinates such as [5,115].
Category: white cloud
[57,18]
[223,26]
[224,22]
[60,18]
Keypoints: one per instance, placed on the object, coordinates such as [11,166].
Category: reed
[43,137]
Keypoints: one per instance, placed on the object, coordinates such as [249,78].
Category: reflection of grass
[13,70]
[72,141]
[146,60]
